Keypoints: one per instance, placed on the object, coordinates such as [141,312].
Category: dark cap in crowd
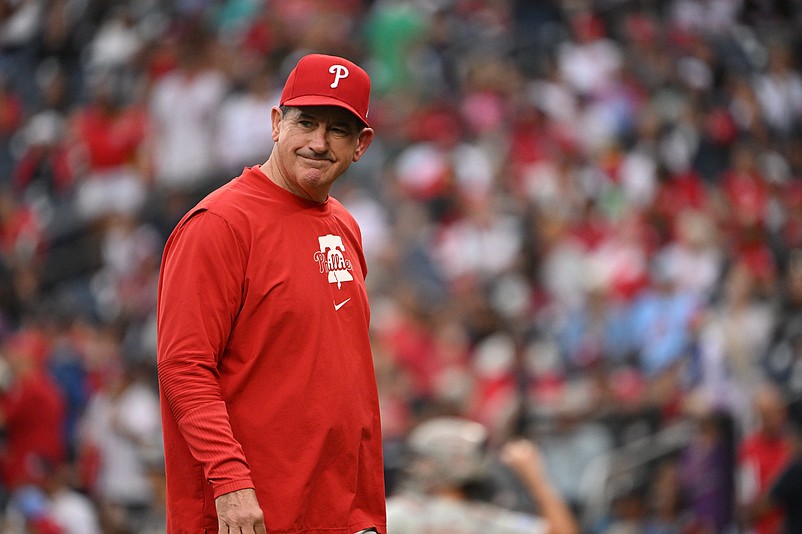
[321,80]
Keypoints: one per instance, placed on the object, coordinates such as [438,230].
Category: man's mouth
[315,161]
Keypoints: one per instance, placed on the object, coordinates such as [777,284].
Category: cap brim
[320,100]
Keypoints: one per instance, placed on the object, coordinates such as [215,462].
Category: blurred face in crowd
[771,409]
[314,146]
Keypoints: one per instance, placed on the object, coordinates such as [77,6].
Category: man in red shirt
[762,457]
[32,411]
[269,401]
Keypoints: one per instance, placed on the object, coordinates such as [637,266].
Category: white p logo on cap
[339,71]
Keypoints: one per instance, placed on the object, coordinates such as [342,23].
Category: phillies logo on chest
[340,72]
[331,259]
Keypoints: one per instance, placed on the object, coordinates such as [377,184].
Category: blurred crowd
[582,220]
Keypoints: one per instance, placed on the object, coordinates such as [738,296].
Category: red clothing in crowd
[748,197]
[33,413]
[34,422]
[265,365]
[683,191]
[111,139]
[21,232]
[53,160]
[765,456]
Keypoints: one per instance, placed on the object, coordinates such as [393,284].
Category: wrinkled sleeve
[200,292]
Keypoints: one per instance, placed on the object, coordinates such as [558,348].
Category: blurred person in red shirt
[744,187]
[108,137]
[677,193]
[11,116]
[23,243]
[762,456]
[43,170]
[22,235]
[32,410]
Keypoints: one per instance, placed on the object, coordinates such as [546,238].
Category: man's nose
[319,142]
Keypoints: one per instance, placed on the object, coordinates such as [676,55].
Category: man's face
[315,145]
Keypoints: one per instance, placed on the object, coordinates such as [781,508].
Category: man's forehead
[331,113]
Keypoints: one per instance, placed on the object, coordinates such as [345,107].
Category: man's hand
[524,458]
[239,512]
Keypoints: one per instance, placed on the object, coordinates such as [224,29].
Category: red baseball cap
[320,80]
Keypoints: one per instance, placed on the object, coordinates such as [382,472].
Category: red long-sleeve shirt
[265,366]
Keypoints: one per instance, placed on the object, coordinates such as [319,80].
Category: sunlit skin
[314,145]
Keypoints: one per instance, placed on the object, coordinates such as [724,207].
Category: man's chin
[316,181]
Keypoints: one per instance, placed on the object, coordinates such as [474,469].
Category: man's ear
[276,117]
[365,138]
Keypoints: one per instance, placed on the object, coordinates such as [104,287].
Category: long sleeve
[199,295]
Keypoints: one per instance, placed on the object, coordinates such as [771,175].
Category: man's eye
[305,124]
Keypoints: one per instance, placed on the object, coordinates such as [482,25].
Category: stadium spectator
[447,455]
[32,410]
[763,454]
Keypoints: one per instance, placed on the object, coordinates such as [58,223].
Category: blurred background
[582,220]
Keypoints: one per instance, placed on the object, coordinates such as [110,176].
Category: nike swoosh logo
[341,304]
